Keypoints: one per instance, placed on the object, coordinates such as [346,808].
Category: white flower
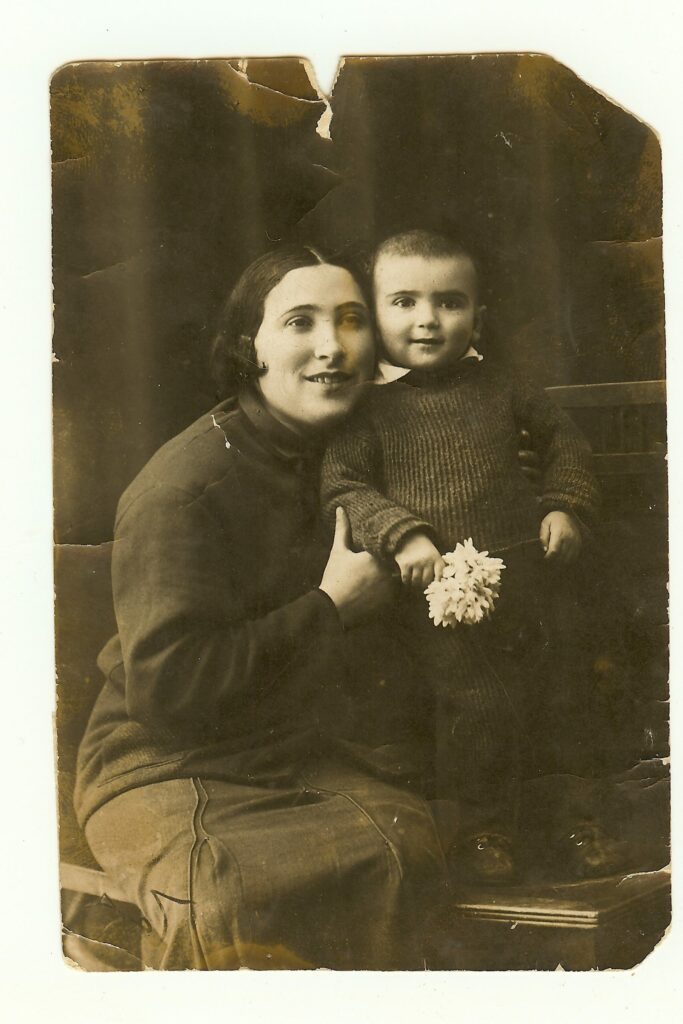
[468,589]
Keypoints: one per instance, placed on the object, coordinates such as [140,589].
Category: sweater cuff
[391,534]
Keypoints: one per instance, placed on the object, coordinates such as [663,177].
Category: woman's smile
[334,379]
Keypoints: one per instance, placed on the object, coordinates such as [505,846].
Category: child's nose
[427,316]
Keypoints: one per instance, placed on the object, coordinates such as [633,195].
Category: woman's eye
[452,303]
[299,322]
[404,302]
[356,320]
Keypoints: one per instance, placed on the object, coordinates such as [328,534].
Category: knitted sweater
[440,454]
[229,662]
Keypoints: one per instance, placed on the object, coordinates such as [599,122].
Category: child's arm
[351,473]
[569,493]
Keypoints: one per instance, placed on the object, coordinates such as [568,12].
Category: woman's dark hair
[233,354]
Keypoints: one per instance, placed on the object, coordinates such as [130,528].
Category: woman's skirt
[341,870]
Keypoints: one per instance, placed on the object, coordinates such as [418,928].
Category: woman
[241,781]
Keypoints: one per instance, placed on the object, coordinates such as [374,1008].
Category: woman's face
[316,343]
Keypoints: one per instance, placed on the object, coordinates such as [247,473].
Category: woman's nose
[327,342]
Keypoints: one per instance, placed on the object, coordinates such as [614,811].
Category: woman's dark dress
[250,772]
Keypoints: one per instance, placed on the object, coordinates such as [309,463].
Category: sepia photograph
[361,519]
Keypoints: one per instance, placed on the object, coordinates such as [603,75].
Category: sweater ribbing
[442,455]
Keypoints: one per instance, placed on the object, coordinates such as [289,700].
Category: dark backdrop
[170,176]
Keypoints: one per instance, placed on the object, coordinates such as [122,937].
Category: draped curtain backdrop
[170,176]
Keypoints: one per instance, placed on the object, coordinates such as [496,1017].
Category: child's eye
[404,302]
[452,303]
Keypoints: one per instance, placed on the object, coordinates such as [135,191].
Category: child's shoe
[588,852]
[486,859]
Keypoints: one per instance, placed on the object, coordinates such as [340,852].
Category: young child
[430,459]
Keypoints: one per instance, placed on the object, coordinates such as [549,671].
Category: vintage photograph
[361,551]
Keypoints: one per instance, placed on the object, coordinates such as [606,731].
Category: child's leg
[483,677]
[477,743]
[477,725]
[507,654]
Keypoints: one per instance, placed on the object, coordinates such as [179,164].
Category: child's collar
[387,372]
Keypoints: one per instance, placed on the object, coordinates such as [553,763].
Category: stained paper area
[170,176]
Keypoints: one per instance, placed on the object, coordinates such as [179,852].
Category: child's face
[427,309]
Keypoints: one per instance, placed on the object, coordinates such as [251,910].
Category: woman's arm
[190,652]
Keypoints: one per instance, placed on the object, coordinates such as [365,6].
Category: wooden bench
[625,423]
[608,923]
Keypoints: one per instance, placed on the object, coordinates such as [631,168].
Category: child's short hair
[426,243]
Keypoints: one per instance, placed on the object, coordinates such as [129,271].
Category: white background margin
[631,51]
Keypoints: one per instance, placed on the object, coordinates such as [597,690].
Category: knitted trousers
[503,692]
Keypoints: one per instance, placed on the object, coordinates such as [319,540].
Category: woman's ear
[479,318]
[249,353]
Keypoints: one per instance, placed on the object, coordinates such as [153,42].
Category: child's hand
[560,537]
[419,561]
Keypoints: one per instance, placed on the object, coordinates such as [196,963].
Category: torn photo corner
[268,757]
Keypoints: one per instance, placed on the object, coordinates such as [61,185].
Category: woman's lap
[336,871]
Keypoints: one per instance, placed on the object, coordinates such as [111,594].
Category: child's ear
[479,317]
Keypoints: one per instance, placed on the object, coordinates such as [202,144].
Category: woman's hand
[419,560]
[357,582]
[561,537]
